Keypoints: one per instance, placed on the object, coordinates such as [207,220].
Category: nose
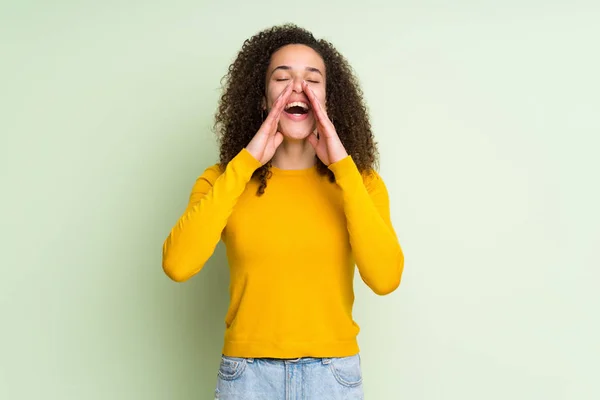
[297,85]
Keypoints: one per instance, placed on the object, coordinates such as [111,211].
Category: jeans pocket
[346,370]
[231,368]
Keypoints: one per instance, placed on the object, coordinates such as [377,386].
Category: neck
[294,154]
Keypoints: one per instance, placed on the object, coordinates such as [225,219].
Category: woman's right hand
[266,141]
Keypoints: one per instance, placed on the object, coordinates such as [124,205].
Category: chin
[296,135]
[296,130]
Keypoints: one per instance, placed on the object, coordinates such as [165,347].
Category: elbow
[175,270]
[392,280]
[181,264]
[176,265]
[387,287]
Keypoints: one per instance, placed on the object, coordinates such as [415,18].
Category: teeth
[297,104]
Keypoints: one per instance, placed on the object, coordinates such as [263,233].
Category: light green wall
[487,118]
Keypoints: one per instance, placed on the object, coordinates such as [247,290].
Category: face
[292,64]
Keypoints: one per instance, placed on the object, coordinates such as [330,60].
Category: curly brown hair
[240,115]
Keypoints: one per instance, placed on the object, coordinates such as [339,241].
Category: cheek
[323,100]
[270,100]
[273,92]
[320,95]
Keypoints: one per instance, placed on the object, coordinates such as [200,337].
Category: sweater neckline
[292,172]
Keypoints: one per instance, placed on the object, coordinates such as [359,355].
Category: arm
[195,236]
[375,247]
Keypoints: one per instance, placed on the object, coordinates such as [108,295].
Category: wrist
[338,155]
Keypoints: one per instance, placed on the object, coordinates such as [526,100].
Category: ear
[263,103]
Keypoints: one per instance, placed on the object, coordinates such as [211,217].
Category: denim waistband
[301,360]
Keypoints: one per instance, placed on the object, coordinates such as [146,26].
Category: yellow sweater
[291,253]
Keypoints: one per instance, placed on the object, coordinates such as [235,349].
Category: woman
[297,202]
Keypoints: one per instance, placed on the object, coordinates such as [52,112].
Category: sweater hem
[290,350]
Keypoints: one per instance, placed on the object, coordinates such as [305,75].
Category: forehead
[297,56]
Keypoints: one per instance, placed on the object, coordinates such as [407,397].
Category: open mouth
[297,108]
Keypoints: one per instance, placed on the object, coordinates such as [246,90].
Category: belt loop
[326,361]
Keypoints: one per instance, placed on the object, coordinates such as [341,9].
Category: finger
[281,101]
[275,107]
[311,96]
[272,121]
[285,95]
[281,106]
[316,104]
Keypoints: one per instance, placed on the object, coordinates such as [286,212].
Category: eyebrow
[288,68]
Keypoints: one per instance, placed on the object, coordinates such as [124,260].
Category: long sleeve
[196,234]
[375,246]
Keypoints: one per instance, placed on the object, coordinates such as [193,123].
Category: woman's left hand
[327,145]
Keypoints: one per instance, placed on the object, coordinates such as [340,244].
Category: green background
[486,114]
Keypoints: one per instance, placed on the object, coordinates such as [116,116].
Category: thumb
[312,139]
[278,139]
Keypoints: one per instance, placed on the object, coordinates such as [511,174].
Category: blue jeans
[299,379]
